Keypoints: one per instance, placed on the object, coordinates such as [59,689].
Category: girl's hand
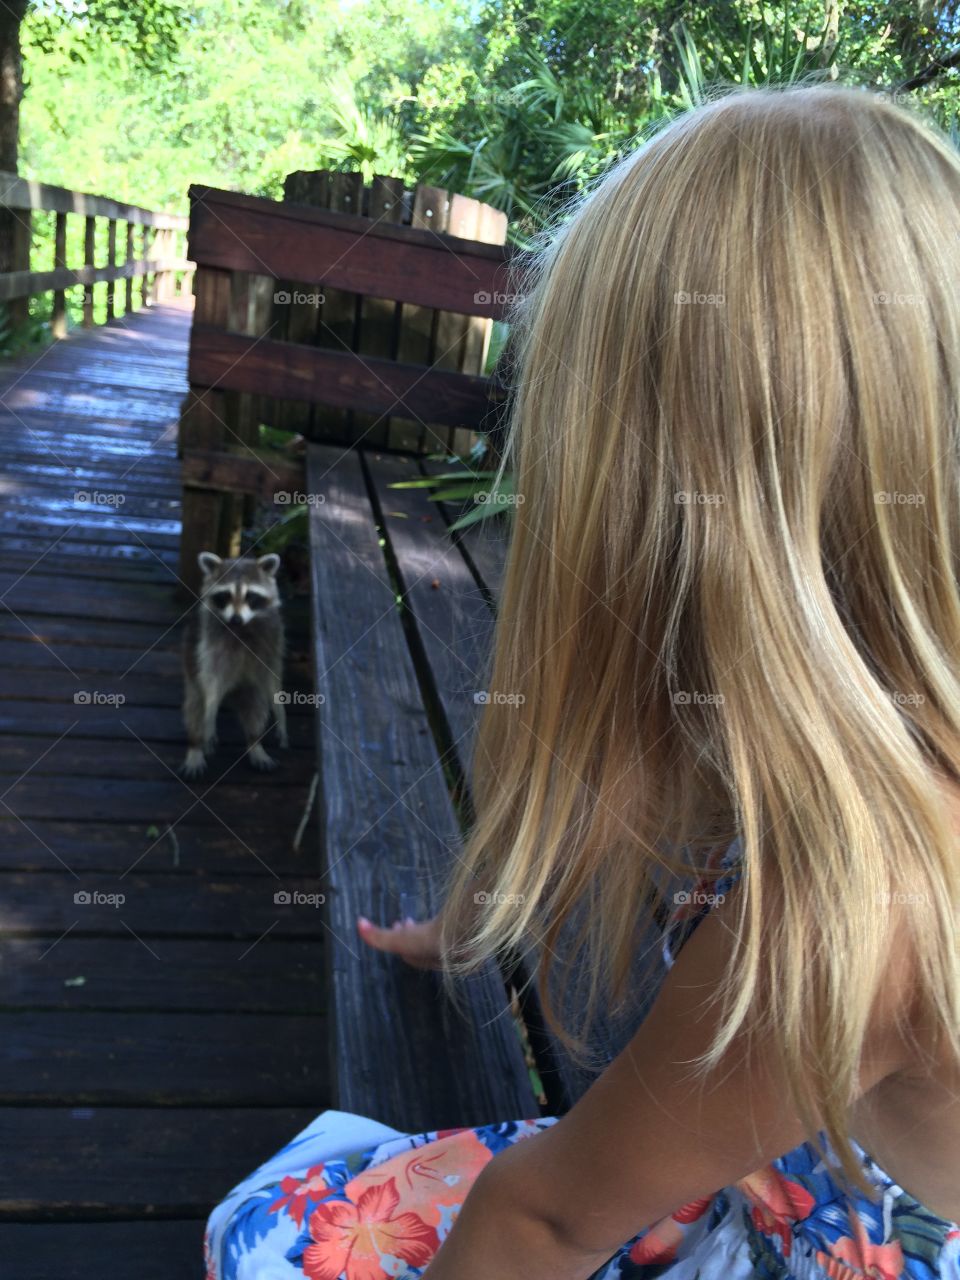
[415,941]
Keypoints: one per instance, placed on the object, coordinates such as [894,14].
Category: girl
[731,606]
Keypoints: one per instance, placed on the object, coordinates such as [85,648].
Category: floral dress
[350,1199]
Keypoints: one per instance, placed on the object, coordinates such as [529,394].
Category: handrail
[159,260]
[24,193]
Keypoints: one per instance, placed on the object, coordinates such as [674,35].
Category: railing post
[111,262]
[59,318]
[205,516]
[146,240]
[128,283]
[89,241]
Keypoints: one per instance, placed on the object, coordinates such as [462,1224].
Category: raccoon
[233,647]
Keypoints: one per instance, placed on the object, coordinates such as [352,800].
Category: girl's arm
[644,1140]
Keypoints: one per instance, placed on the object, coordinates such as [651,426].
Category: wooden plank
[41,844]
[430,211]
[454,623]
[485,544]
[80,1251]
[24,193]
[187,905]
[378,319]
[242,469]
[163,1059]
[111,262]
[128,262]
[129,723]
[135,1161]
[158,800]
[203,426]
[89,240]
[278,976]
[339,378]
[453,618]
[316,246]
[389,825]
[339,316]
[22,284]
[58,324]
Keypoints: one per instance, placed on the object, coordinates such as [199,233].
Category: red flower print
[352,1238]
[432,1181]
[856,1255]
[658,1244]
[777,1203]
[296,1192]
[692,1211]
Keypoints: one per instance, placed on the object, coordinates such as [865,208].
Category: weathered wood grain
[403,1053]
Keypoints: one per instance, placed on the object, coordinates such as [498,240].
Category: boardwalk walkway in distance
[162,1024]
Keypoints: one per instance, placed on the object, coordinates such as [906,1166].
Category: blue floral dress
[349,1199]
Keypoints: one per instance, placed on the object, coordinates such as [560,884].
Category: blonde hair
[730,607]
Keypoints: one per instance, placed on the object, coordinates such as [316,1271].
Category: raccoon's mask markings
[239,591]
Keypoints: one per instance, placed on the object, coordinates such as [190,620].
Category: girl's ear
[208,562]
[270,564]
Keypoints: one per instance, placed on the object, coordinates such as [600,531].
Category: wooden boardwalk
[162,1020]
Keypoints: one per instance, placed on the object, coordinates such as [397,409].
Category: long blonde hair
[730,607]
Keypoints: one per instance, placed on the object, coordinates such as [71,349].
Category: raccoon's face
[239,591]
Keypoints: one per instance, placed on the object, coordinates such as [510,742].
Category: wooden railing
[346,324]
[158,261]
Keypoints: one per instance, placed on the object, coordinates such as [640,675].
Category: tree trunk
[14,225]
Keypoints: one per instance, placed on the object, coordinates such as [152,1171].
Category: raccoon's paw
[194,763]
[260,759]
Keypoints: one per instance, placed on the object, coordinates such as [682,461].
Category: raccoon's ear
[208,562]
[269,564]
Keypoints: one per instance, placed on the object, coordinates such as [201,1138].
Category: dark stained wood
[23,284]
[260,472]
[42,844]
[287,370]
[454,624]
[390,829]
[176,1161]
[154,1048]
[279,975]
[21,193]
[76,1251]
[203,1058]
[294,242]
[175,904]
